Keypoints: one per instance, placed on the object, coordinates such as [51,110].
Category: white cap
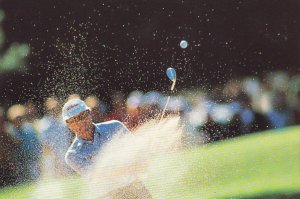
[72,108]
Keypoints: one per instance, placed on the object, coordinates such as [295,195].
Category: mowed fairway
[261,164]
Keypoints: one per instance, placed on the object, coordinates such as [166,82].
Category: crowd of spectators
[32,144]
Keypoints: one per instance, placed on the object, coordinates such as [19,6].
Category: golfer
[88,142]
[90,137]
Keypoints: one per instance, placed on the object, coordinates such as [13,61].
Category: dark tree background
[95,47]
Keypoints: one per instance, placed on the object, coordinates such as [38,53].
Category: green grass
[60,188]
[261,164]
[257,165]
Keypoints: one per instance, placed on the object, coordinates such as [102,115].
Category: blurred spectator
[296,110]
[278,81]
[260,123]
[177,105]
[29,148]
[55,138]
[232,89]
[31,112]
[150,106]
[279,114]
[133,104]
[73,96]
[7,154]
[242,106]
[211,130]
[118,109]
[251,120]
[251,87]
[97,111]
[222,123]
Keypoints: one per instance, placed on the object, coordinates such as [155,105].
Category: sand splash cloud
[126,158]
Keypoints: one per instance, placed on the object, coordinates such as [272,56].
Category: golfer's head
[77,116]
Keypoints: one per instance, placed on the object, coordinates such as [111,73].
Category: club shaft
[164,110]
[168,99]
[173,85]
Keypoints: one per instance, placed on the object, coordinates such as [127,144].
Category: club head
[171,73]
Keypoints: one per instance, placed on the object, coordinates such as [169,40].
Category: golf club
[171,74]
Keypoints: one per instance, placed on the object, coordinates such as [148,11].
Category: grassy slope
[62,188]
[249,166]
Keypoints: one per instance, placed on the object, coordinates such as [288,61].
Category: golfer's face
[79,123]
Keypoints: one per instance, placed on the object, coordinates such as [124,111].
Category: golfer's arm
[121,127]
[78,163]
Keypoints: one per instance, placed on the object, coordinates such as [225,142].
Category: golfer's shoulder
[75,147]
[72,152]
[112,125]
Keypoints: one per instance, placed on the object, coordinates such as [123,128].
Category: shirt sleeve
[120,127]
[78,162]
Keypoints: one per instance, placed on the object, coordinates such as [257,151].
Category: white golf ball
[183,44]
